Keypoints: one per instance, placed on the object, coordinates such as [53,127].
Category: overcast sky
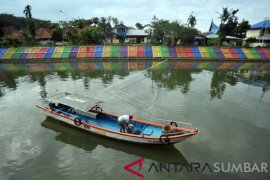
[132,11]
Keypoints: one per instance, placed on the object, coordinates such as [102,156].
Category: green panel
[115,51]
[165,54]
[65,54]
[16,55]
[252,50]
[254,53]
[19,50]
[164,49]
[116,54]
[67,49]
[115,48]
[209,50]
[212,54]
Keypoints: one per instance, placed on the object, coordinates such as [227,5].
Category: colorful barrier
[178,52]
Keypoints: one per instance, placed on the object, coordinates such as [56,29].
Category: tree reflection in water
[167,77]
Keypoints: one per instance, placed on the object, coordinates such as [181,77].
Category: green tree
[27,11]
[228,23]
[57,34]
[191,20]
[105,28]
[90,36]
[31,23]
[115,21]
[139,25]
[241,29]
[170,32]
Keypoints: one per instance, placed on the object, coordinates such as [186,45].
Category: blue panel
[195,50]
[50,50]
[147,48]
[2,52]
[197,54]
[240,53]
[148,54]
[99,49]
[98,54]
[48,55]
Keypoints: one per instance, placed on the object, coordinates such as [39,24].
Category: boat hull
[112,134]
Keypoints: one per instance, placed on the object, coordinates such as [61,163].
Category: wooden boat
[96,121]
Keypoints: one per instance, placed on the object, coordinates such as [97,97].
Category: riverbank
[88,53]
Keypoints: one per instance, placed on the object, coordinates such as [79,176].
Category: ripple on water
[19,151]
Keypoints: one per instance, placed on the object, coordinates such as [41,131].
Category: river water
[228,102]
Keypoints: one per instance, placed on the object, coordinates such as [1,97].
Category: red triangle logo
[137,173]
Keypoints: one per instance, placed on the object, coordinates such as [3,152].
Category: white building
[124,34]
[260,31]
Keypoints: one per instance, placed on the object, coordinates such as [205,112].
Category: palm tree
[31,24]
[27,11]
[191,20]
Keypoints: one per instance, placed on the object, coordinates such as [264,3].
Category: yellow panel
[157,54]
[204,52]
[59,49]
[57,54]
[107,48]
[205,55]
[11,50]
[248,53]
[156,51]
[202,49]
[156,48]
[106,54]
[8,55]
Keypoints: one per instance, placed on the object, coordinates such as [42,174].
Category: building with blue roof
[261,32]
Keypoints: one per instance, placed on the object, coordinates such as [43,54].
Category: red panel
[140,53]
[90,54]
[233,53]
[40,55]
[189,54]
[189,50]
[43,50]
[91,49]
[140,48]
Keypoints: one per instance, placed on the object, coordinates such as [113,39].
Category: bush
[90,36]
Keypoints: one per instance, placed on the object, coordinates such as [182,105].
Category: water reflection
[89,142]
[219,80]
[170,75]
[173,78]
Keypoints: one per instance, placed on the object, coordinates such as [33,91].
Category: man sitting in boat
[167,129]
[123,122]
